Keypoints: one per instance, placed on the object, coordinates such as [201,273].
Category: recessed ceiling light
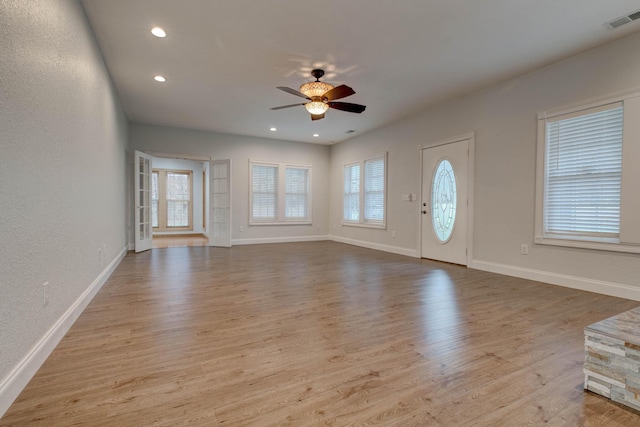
[315,135]
[160,79]
[273,129]
[158,32]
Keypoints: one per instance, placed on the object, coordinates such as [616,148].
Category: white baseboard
[582,283]
[291,239]
[21,374]
[377,246]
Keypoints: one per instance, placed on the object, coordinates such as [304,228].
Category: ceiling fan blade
[293,92]
[317,116]
[338,92]
[346,106]
[286,106]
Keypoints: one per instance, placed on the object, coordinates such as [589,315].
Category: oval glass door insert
[443,201]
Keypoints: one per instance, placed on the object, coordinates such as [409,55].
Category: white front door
[142,189]
[445,171]
[220,202]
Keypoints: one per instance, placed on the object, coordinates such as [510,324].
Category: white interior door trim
[471,138]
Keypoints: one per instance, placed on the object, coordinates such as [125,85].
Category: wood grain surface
[320,333]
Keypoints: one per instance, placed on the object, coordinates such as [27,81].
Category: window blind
[264,184]
[583,170]
[374,190]
[296,193]
[352,192]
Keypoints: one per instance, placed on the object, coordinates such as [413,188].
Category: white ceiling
[224,58]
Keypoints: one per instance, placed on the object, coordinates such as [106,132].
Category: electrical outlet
[393,234]
[241,228]
[45,294]
[524,249]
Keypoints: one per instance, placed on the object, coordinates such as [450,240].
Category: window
[444,200]
[352,192]
[280,193]
[296,193]
[586,183]
[365,192]
[171,200]
[154,199]
[264,193]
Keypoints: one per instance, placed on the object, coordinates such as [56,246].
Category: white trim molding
[292,239]
[18,378]
[574,282]
[377,246]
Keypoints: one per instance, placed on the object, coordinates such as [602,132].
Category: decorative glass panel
[443,201]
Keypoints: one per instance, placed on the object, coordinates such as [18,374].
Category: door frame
[471,138]
[190,157]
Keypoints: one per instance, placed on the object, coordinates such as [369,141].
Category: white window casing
[587,178]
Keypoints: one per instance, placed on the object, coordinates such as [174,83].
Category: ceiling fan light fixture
[316,107]
[321,96]
[312,89]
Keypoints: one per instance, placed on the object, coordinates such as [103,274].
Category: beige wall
[63,137]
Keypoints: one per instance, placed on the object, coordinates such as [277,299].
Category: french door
[142,190]
[444,202]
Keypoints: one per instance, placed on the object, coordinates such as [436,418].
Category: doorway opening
[178,202]
[190,205]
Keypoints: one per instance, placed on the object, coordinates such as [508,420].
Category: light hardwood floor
[320,333]
[179,241]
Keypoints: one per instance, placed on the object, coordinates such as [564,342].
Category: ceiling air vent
[618,22]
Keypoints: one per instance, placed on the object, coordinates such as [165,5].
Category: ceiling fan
[321,97]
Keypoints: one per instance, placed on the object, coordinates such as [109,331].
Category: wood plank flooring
[167,241]
[320,333]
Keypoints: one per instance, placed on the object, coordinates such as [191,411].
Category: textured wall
[63,137]
[504,119]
